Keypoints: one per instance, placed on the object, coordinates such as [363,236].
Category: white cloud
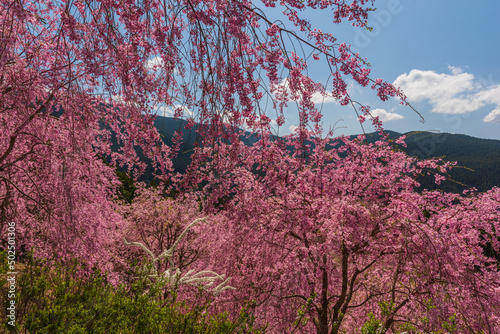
[153,63]
[185,110]
[169,111]
[385,116]
[157,65]
[455,93]
[120,99]
[455,70]
[117,98]
[490,95]
[493,116]
[292,128]
[165,111]
[318,98]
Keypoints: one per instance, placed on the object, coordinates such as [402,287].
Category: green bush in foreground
[54,301]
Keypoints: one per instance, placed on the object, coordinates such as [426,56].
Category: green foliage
[450,325]
[126,191]
[407,328]
[56,300]
[302,312]
[373,325]
[386,308]
[376,326]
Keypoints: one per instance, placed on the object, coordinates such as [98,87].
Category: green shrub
[55,300]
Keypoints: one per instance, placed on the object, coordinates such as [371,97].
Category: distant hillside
[168,126]
[479,159]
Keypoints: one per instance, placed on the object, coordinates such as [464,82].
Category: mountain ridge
[478,159]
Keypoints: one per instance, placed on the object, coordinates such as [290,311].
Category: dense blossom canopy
[80,78]
[342,234]
[314,234]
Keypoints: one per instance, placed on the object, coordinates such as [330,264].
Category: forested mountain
[167,127]
[478,160]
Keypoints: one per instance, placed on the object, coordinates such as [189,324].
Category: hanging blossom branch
[173,277]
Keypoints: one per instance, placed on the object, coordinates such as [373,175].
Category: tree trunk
[322,327]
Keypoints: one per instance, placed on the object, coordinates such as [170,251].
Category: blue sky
[444,54]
